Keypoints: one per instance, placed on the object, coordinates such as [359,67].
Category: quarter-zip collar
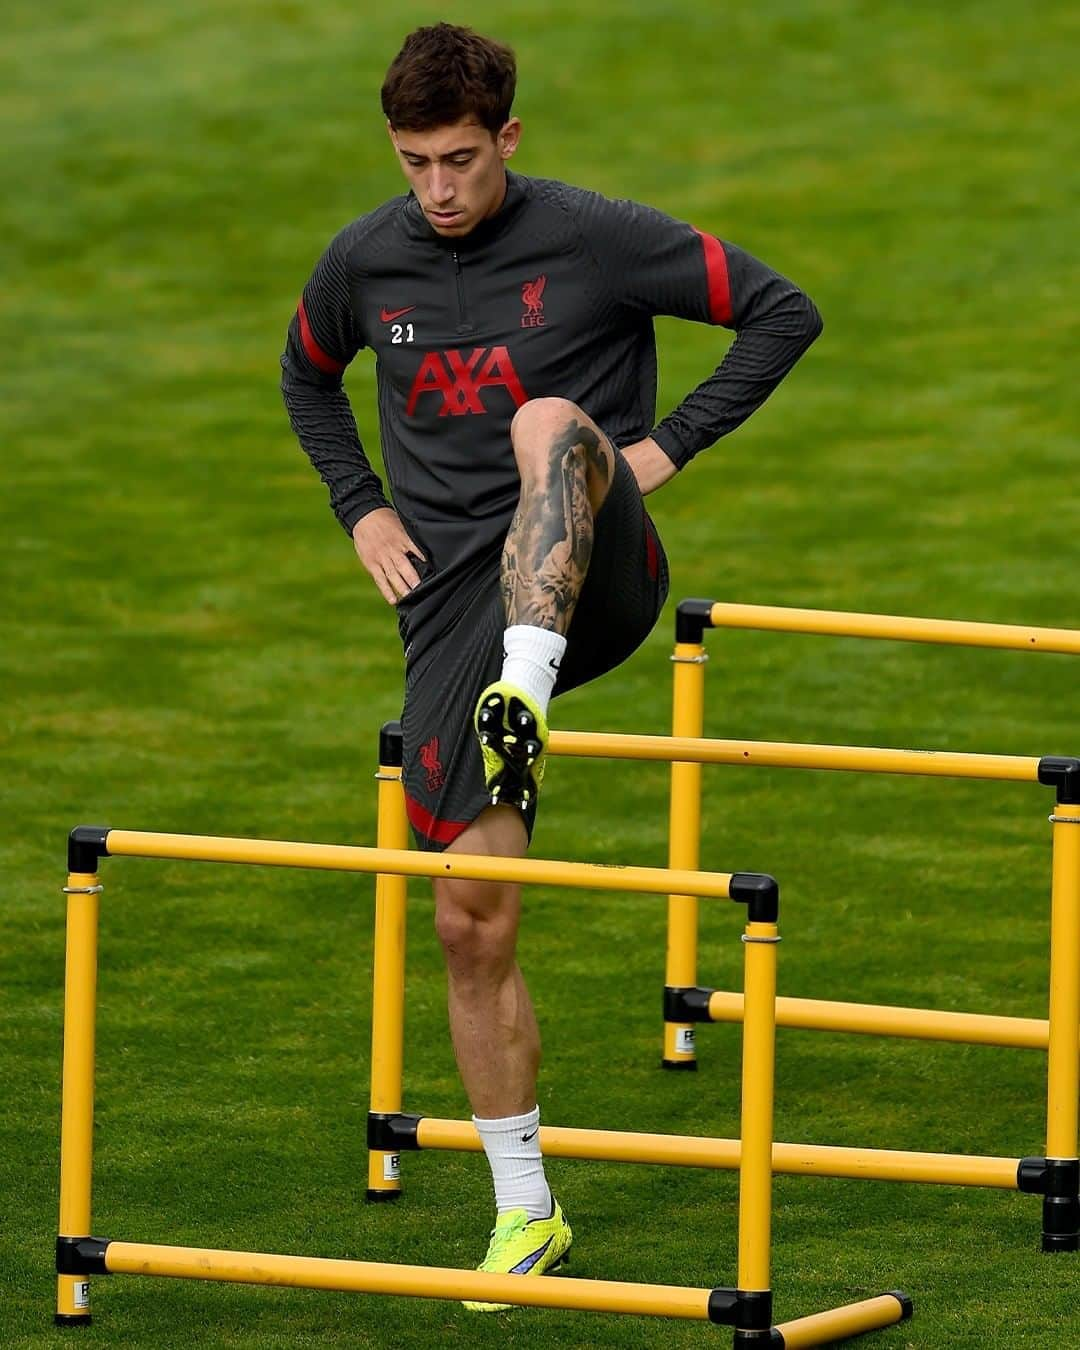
[421,228]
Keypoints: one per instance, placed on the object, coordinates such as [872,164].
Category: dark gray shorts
[625,589]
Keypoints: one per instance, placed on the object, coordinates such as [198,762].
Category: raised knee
[541,418]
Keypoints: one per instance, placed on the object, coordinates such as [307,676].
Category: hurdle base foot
[381,1197]
[679,1065]
[838,1324]
[72,1319]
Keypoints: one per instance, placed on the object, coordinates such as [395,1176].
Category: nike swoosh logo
[389,315]
[523,1267]
[526,1137]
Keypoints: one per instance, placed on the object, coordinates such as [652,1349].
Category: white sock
[531,660]
[512,1145]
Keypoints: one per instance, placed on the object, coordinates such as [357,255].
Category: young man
[511,321]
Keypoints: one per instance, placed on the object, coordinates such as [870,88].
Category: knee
[476,933]
[554,431]
[541,420]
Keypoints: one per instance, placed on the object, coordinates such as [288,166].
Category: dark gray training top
[553,295]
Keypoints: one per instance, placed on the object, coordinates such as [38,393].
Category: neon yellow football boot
[513,736]
[520,1246]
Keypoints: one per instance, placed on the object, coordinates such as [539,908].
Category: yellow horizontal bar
[868,1164]
[405,862]
[841,623]
[371,1277]
[873,1019]
[793,755]
[838,1323]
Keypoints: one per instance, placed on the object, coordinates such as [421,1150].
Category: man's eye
[459,162]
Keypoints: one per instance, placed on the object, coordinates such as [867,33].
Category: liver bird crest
[531,292]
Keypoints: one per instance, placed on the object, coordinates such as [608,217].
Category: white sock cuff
[509,1123]
[539,644]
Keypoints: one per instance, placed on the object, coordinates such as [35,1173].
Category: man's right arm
[322,340]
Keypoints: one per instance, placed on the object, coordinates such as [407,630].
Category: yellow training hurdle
[747,1307]
[687,1004]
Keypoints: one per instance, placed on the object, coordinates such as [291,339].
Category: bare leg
[567,465]
[492,1024]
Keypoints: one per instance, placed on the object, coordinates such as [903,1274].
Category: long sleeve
[774,322]
[321,342]
[655,264]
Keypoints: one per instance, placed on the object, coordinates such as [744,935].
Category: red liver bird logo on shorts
[531,291]
[429,758]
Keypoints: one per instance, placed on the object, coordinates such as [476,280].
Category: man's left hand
[651,467]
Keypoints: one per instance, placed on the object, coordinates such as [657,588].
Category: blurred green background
[188,644]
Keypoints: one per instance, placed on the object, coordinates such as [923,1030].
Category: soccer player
[511,322]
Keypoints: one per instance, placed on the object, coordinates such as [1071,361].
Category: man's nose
[442,188]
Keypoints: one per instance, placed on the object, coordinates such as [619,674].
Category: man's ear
[508,137]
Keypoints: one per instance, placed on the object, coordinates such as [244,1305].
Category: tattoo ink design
[549,543]
[509,568]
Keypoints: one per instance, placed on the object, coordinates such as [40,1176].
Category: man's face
[457,172]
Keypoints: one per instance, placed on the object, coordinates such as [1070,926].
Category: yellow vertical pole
[388,975]
[77,1090]
[756,1130]
[1061,1212]
[684,846]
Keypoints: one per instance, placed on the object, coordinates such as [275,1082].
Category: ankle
[531,660]
[512,1145]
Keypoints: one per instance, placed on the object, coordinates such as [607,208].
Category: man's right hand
[383,547]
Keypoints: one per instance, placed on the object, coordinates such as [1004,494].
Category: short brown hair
[444,74]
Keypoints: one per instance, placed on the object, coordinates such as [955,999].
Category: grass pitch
[188,644]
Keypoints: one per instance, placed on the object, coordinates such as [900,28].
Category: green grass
[189,645]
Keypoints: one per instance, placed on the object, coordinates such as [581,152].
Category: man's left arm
[774,323]
[660,265]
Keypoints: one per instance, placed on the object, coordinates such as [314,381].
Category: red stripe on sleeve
[316,355]
[717,275]
[652,561]
[441,831]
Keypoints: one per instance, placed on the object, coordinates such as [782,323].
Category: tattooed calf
[549,543]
